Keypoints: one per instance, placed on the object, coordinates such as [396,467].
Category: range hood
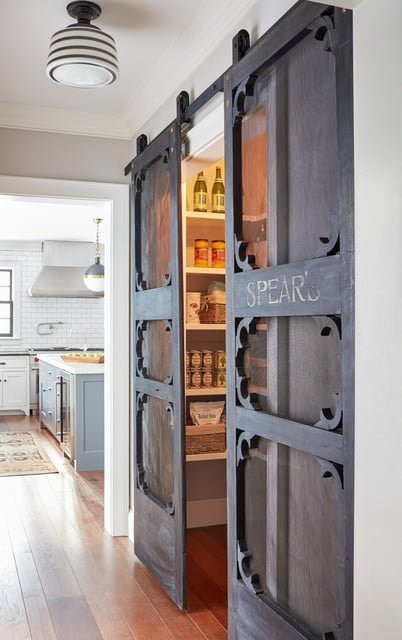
[63,268]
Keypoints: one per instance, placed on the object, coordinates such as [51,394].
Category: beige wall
[62,156]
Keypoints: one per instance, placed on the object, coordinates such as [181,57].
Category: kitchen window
[6,303]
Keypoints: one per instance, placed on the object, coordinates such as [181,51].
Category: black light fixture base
[84,11]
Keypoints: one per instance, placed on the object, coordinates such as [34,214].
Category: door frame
[117,434]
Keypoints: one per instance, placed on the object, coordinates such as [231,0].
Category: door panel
[156,362]
[289,224]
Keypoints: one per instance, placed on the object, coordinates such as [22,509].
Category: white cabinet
[14,389]
[14,384]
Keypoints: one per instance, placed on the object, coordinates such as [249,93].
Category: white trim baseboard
[206,513]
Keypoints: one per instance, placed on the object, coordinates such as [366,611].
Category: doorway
[116,404]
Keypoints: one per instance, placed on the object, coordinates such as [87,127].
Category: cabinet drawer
[13,362]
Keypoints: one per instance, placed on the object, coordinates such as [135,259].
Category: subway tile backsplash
[82,317]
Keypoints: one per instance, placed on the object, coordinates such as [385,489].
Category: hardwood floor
[62,577]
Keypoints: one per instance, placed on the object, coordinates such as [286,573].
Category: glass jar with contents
[218,254]
[200,252]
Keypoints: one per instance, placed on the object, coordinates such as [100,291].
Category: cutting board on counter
[87,359]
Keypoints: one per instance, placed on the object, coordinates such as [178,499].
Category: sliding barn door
[156,363]
[289,177]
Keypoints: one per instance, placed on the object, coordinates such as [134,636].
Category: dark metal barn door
[156,363]
[289,186]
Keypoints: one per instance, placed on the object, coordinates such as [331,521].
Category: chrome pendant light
[94,277]
[82,55]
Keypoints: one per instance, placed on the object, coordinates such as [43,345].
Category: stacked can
[205,369]
[220,369]
[207,366]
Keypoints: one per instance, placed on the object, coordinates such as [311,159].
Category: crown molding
[68,121]
[161,86]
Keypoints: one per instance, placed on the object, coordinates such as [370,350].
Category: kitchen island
[71,401]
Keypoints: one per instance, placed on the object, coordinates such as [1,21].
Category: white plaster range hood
[63,268]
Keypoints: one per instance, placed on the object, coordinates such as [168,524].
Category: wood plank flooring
[62,577]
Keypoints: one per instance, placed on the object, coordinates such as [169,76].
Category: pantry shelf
[201,457]
[209,271]
[205,216]
[205,327]
[206,391]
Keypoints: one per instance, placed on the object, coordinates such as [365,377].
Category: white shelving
[198,215]
[201,457]
[202,391]
[205,271]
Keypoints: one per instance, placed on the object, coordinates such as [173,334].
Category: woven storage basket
[212,312]
[206,438]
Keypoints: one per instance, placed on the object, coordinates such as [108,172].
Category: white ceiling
[37,219]
[159,44]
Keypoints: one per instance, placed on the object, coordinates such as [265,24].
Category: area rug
[21,455]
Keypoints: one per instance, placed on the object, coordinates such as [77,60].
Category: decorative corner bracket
[243,91]
[324,32]
[245,327]
[331,419]
[244,261]
[250,579]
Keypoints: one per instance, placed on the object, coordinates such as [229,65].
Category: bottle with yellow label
[218,193]
[200,193]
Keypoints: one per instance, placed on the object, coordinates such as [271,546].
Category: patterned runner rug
[21,455]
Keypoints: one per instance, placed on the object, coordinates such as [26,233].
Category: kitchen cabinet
[14,384]
[71,408]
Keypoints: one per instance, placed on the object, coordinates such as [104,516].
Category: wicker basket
[212,312]
[206,438]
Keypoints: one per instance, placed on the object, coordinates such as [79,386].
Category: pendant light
[82,55]
[94,277]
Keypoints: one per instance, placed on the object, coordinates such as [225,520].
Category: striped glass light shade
[82,55]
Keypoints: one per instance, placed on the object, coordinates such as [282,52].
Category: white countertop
[71,367]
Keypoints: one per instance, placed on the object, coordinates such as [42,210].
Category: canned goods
[207,359]
[206,378]
[195,378]
[188,379]
[218,254]
[187,359]
[195,359]
[220,378]
[201,252]
[220,360]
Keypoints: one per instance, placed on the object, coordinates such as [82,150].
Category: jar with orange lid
[201,252]
[218,254]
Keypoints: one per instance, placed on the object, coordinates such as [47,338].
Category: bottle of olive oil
[218,193]
[200,193]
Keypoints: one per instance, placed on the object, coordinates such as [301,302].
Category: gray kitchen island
[71,407]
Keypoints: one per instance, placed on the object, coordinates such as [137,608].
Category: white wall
[378,171]
[61,156]
[83,316]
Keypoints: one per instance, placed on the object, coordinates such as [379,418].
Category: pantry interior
[204,336]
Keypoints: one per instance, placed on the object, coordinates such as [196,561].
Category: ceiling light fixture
[94,277]
[82,55]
